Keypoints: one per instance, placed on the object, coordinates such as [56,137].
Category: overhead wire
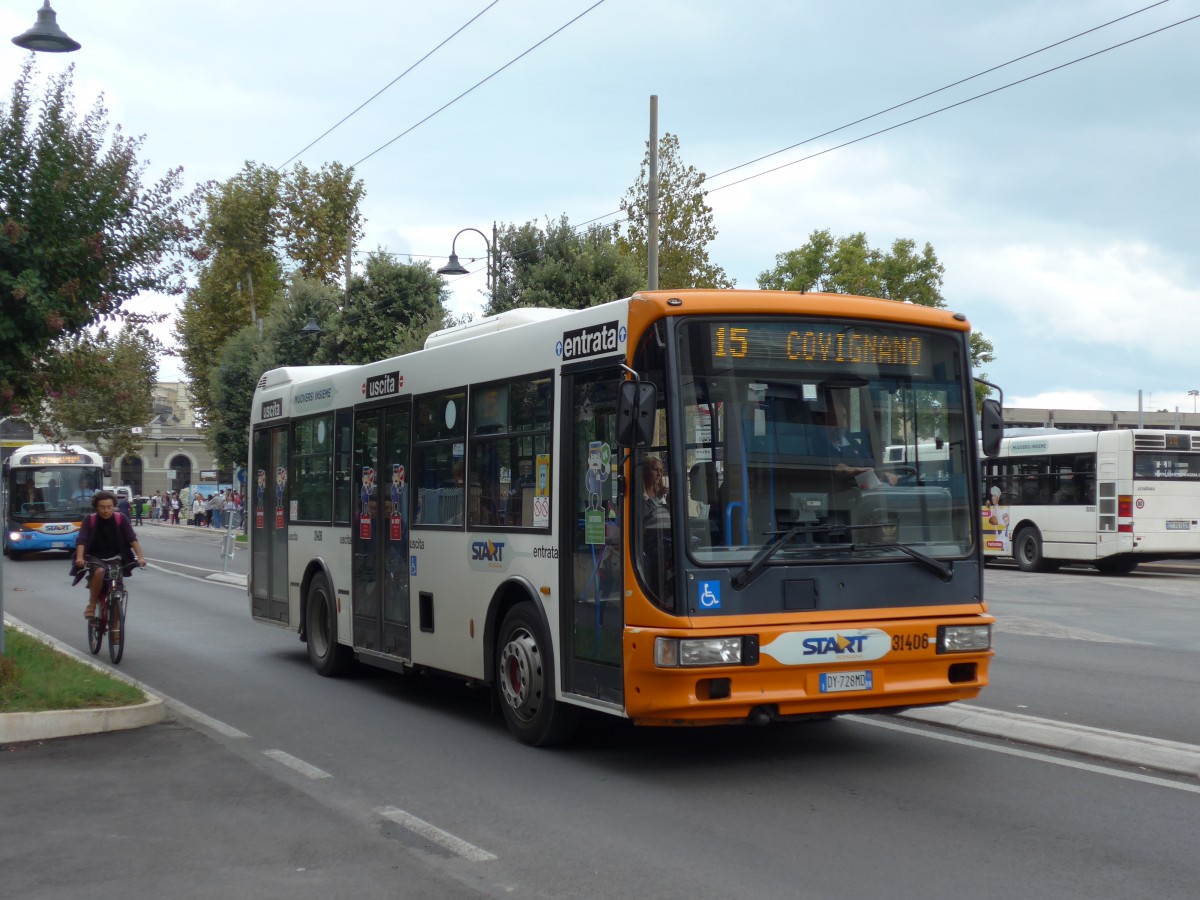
[580,226]
[926,115]
[477,84]
[358,108]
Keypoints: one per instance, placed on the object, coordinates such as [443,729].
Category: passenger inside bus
[702,485]
[31,496]
[851,449]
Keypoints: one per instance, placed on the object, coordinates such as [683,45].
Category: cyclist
[103,534]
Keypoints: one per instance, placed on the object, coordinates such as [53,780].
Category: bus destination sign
[825,346]
[53,459]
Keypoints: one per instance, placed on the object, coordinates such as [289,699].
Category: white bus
[477,508]
[1109,498]
[48,491]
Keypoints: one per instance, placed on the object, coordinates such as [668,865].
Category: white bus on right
[1109,498]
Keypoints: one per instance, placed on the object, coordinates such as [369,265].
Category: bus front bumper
[685,678]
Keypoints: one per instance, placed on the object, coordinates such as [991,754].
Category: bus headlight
[964,638]
[689,652]
[15,537]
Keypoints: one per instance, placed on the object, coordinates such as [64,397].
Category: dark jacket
[126,536]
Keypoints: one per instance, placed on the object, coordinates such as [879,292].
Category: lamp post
[1193,394]
[454,267]
[45,36]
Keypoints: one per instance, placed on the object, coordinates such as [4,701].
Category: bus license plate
[1178,525]
[59,545]
[835,682]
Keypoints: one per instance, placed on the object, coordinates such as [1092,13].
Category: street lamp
[454,267]
[45,36]
[311,327]
[1193,395]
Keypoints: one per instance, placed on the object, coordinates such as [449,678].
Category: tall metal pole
[495,248]
[652,212]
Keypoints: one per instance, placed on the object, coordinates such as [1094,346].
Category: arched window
[131,474]
[183,472]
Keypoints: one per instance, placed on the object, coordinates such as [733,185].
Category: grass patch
[35,677]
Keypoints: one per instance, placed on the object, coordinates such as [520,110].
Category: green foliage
[257,224]
[239,275]
[239,365]
[685,222]
[393,308]
[80,233]
[321,219]
[849,265]
[562,267]
[101,387]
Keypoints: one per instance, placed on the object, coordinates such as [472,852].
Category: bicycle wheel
[95,632]
[116,625]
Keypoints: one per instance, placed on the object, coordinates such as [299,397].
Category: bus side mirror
[635,413]
[991,426]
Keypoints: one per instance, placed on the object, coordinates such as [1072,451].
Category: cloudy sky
[1064,207]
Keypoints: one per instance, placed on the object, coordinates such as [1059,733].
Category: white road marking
[432,833]
[1027,754]
[207,721]
[298,765]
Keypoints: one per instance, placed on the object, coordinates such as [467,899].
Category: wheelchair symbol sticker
[710,594]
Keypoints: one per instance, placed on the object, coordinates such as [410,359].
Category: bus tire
[327,656]
[1027,551]
[1117,565]
[525,681]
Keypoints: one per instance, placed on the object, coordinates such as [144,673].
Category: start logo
[797,648]
[487,555]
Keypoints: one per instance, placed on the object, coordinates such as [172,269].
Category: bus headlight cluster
[670,653]
[15,537]
[964,638]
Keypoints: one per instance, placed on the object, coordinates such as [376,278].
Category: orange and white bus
[673,508]
[1110,498]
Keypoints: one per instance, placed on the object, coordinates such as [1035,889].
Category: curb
[1113,746]
[20,727]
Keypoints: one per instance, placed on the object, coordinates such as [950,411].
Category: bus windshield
[857,432]
[48,493]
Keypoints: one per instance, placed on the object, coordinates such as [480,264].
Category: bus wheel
[1117,565]
[525,677]
[327,656]
[1027,550]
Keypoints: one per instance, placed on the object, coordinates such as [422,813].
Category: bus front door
[593,538]
[268,521]
[380,574]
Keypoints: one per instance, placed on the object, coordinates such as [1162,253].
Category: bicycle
[110,611]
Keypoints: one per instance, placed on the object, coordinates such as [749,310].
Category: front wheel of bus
[525,678]
[1027,550]
[327,656]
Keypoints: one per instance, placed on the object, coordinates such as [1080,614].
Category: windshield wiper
[756,565]
[939,568]
[763,556]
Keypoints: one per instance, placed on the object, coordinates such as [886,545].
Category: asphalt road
[850,808]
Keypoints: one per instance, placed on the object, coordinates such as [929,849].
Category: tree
[81,232]
[393,307]
[685,222]
[322,219]
[849,265]
[100,389]
[256,225]
[239,276]
[561,267]
[239,365]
